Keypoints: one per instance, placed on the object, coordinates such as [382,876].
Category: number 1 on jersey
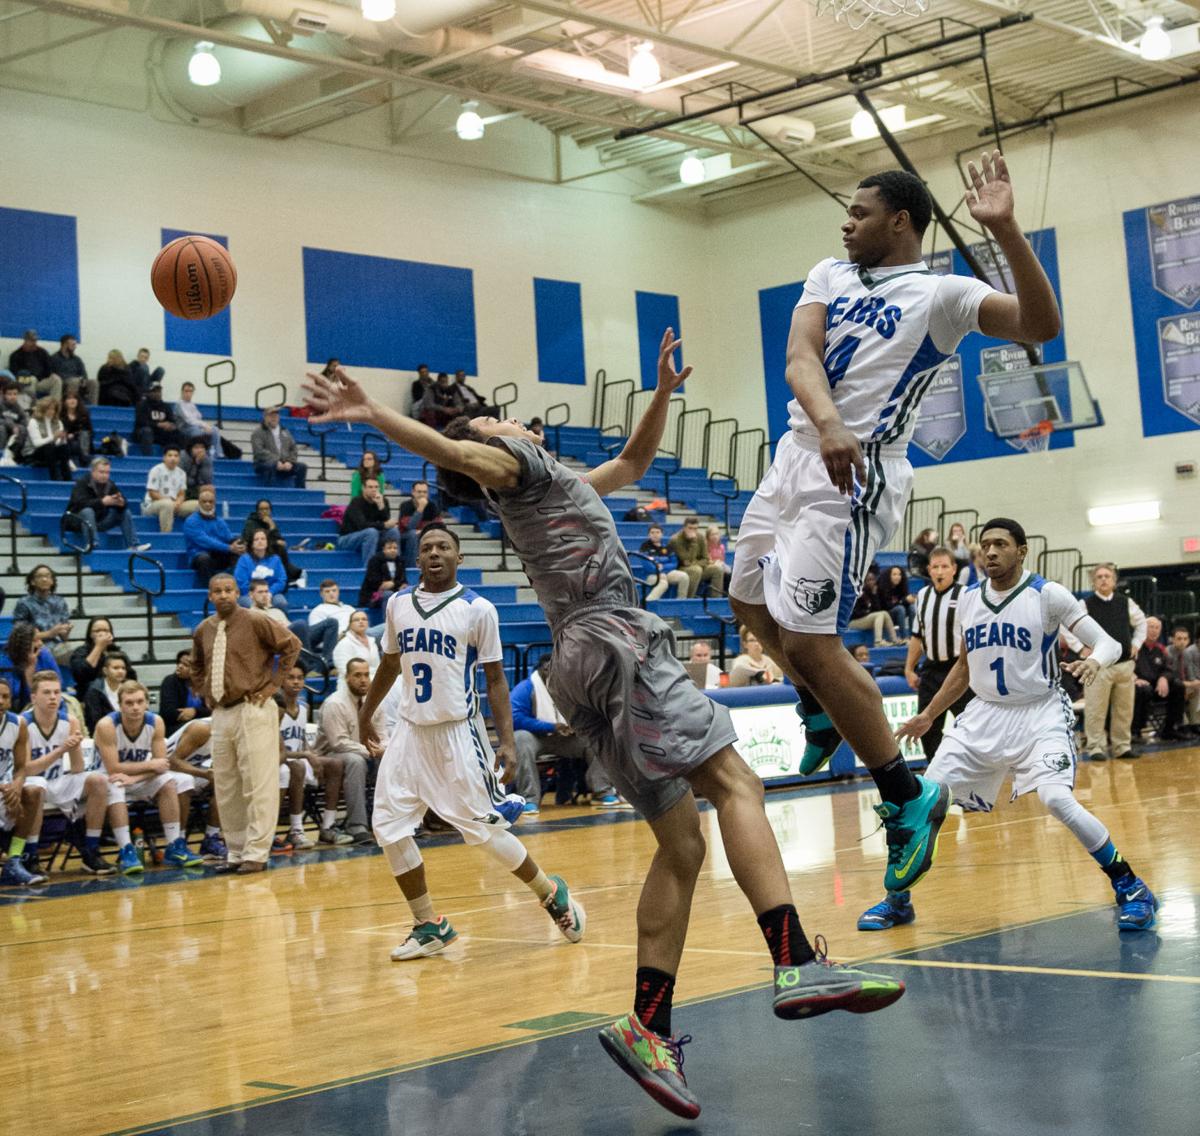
[997,665]
[423,681]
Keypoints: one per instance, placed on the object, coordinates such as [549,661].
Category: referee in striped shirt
[936,635]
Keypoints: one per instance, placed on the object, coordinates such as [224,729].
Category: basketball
[193,277]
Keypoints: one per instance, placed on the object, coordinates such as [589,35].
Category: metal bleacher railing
[12,512]
[220,366]
[69,528]
[148,594]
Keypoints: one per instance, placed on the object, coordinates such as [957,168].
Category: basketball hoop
[857,12]
[1037,437]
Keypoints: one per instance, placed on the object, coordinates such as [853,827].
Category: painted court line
[1056,971]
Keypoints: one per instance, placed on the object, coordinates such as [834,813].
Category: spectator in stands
[71,369]
[197,467]
[442,403]
[415,513]
[1185,666]
[77,423]
[366,520]
[918,553]
[355,643]
[14,419]
[261,519]
[974,570]
[154,422]
[868,614]
[102,697]
[191,422]
[48,440]
[1153,682]
[957,542]
[368,466]
[274,452]
[420,388]
[701,656]
[339,737]
[718,551]
[753,667]
[98,504]
[862,654]
[117,384]
[30,363]
[27,657]
[331,607]
[259,563]
[316,650]
[690,547]
[178,703]
[139,370]
[664,559]
[383,578]
[166,491]
[46,610]
[87,660]
[331,365]
[473,403]
[211,546]
[897,600]
[538,427]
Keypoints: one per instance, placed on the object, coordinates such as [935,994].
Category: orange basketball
[193,277]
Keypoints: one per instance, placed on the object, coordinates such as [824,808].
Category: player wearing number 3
[1020,723]
[867,338]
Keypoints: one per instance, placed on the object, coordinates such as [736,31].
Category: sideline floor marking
[1057,971]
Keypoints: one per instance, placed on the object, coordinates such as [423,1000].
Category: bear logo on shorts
[1057,762]
[815,595]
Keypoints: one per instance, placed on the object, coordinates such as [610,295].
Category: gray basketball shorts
[615,677]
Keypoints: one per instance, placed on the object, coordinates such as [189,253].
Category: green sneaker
[425,939]
[818,986]
[654,1061]
[568,914]
[821,741]
[912,834]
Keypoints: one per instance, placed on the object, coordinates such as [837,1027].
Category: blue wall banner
[212,336]
[39,275]
[1162,250]
[558,316]
[775,307]
[943,418]
[656,311]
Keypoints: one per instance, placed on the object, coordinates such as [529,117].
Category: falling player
[436,759]
[616,678]
[867,338]
[1020,723]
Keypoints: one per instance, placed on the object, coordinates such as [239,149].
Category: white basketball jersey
[887,330]
[139,747]
[441,637]
[198,757]
[1011,639]
[293,727]
[10,728]
[41,744]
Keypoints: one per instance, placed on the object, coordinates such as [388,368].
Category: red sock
[785,937]
[652,999]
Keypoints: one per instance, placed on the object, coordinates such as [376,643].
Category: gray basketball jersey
[564,535]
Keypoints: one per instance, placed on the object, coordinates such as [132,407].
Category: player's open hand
[668,378]
[506,762]
[915,727]
[990,197]
[843,458]
[336,399]
[366,731]
[1083,669]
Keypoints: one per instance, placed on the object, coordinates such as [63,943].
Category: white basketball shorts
[64,792]
[803,548]
[285,773]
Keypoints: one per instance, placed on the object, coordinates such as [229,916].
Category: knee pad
[1059,801]
[403,856]
[1061,804]
[505,849]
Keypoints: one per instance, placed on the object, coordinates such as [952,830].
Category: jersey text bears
[997,635]
[427,639]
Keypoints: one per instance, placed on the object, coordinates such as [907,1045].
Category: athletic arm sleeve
[955,310]
[485,631]
[1061,609]
[816,285]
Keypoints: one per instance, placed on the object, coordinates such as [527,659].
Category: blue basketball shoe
[129,863]
[179,855]
[821,740]
[912,834]
[894,910]
[1136,904]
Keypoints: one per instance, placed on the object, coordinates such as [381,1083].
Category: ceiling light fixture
[643,65]
[691,170]
[1128,514]
[469,126]
[1155,43]
[204,68]
[378,10]
[862,125]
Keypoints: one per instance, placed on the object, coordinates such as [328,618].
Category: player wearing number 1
[867,338]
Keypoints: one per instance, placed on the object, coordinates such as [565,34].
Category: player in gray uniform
[616,677]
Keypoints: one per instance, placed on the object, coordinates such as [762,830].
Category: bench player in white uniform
[20,804]
[53,735]
[867,338]
[1020,723]
[189,753]
[435,635]
[132,743]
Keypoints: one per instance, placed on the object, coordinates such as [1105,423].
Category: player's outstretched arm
[952,690]
[342,399]
[631,463]
[500,703]
[1031,316]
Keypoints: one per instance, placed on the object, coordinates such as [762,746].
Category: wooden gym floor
[216,1005]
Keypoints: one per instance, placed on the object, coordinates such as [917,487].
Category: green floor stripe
[557,1021]
[269,1085]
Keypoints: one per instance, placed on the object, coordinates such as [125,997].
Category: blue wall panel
[775,307]
[39,275]
[213,336]
[372,311]
[558,313]
[656,311]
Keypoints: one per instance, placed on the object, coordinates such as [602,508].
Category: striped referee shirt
[937,623]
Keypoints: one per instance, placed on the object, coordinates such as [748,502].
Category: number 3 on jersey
[838,359]
[422,681]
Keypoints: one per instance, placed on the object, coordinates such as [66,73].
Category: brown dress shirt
[257,651]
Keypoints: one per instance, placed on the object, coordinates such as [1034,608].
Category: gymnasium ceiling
[550,77]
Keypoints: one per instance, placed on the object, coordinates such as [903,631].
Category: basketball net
[1037,437]
[857,12]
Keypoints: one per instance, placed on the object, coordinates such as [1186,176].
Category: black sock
[652,999]
[788,944]
[809,701]
[1118,869]
[895,782]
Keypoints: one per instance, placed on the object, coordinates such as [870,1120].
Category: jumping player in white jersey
[20,804]
[53,735]
[189,752]
[435,635]
[616,678]
[132,744]
[867,338]
[1020,723]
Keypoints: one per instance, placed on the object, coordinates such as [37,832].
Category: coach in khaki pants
[238,656]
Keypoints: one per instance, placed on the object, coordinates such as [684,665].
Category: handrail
[735,457]
[667,473]
[134,557]
[223,383]
[644,585]
[601,379]
[557,426]
[681,430]
[525,655]
[502,406]
[725,622]
[603,424]
[708,429]
[79,551]
[713,478]
[7,510]
[387,442]
[266,387]
[1050,560]
[320,435]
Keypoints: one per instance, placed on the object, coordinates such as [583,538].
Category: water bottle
[225,510]
[139,845]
